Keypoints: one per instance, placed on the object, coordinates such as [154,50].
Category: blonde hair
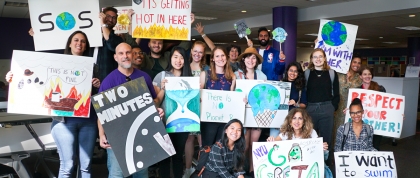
[203,59]
[325,66]
[307,126]
[227,69]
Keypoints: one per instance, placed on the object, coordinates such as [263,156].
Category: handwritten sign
[267,102]
[412,71]
[54,21]
[50,84]
[133,126]
[289,158]
[221,106]
[384,111]
[182,104]
[242,29]
[123,20]
[365,164]
[162,19]
[337,40]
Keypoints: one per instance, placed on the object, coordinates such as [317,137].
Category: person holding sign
[249,60]
[176,68]
[75,137]
[124,73]
[218,77]
[227,159]
[359,135]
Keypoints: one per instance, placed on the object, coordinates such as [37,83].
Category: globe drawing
[183,125]
[65,21]
[264,97]
[334,33]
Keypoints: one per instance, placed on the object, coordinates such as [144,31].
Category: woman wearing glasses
[358,136]
[322,94]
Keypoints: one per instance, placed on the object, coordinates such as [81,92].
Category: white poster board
[162,19]
[365,164]
[53,21]
[267,102]
[412,71]
[123,20]
[384,111]
[289,158]
[50,84]
[222,106]
[337,40]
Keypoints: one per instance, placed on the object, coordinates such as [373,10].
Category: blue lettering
[384,126]
[337,53]
[391,127]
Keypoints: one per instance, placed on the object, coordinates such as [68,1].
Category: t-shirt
[261,51]
[116,78]
[284,137]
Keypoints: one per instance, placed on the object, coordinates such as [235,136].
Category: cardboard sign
[54,21]
[162,19]
[337,40]
[123,20]
[267,102]
[412,71]
[50,84]
[365,164]
[222,106]
[242,29]
[133,126]
[182,104]
[384,111]
[289,158]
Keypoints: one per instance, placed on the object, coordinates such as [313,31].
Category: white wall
[4,68]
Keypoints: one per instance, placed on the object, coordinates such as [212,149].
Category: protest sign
[123,20]
[288,158]
[242,29]
[365,164]
[412,71]
[267,102]
[54,21]
[384,111]
[50,84]
[162,19]
[182,104]
[222,106]
[132,125]
[337,40]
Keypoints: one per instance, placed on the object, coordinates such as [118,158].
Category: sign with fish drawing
[50,84]
[221,106]
[289,158]
[267,102]
[182,104]
[132,125]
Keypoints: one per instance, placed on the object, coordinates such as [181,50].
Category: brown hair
[203,59]
[373,85]
[307,126]
[227,69]
[106,9]
[311,64]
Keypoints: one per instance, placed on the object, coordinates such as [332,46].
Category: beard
[123,65]
[263,43]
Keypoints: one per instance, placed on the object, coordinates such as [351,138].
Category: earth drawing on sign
[334,33]
[65,21]
[264,100]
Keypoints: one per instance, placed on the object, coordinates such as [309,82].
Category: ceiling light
[390,42]
[408,28]
[234,41]
[205,18]
[268,30]
[412,15]
[381,37]
[243,11]
[193,39]
[312,34]
[361,39]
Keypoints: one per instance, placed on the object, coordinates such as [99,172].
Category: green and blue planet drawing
[65,21]
[334,33]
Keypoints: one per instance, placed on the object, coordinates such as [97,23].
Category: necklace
[318,75]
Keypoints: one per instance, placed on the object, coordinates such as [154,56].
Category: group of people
[315,96]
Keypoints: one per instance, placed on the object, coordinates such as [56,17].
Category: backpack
[203,156]
[346,132]
[332,76]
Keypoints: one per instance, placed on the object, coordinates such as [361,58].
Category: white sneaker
[188,172]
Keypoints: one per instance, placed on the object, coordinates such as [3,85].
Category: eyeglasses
[293,71]
[317,57]
[127,79]
[356,113]
[199,52]
[111,17]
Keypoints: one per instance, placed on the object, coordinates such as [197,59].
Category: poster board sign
[365,164]
[384,111]
[182,104]
[267,102]
[162,19]
[288,158]
[242,29]
[337,40]
[412,71]
[123,20]
[54,21]
[50,84]
[132,126]
[222,106]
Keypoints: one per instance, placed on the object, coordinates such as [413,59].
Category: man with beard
[124,73]
[105,61]
[275,66]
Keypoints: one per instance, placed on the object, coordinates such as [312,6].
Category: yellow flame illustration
[160,32]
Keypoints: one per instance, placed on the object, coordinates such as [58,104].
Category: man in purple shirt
[124,73]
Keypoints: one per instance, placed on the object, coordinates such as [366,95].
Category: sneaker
[188,172]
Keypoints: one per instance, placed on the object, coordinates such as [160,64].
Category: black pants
[211,132]
[178,140]
[376,141]
[209,174]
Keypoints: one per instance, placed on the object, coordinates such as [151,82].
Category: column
[413,46]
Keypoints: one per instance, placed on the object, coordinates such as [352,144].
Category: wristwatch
[104,25]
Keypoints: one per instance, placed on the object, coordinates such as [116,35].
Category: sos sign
[64,21]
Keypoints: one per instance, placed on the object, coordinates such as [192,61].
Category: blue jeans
[75,139]
[115,170]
